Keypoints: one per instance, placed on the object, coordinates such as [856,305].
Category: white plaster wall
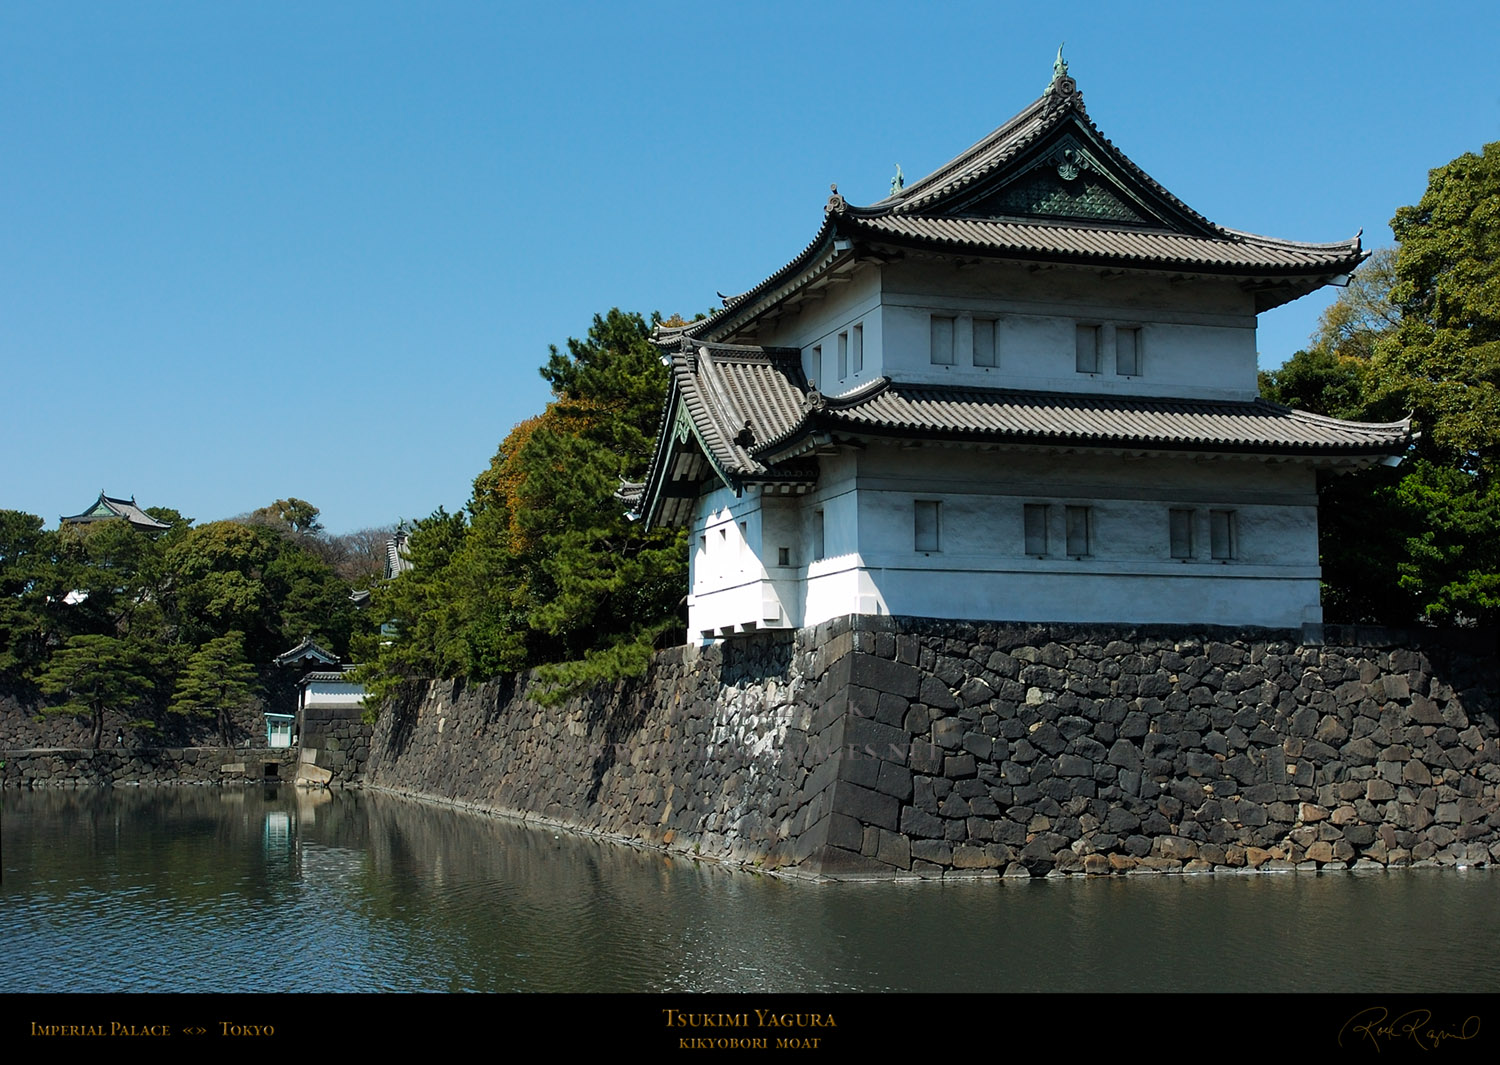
[1090,595]
[982,570]
[736,582]
[331,695]
[1197,339]
[842,305]
[870,564]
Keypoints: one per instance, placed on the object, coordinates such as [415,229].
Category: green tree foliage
[216,681]
[1420,335]
[1443,360]
[1320,380]
[218,587]
[295,514]
[146,603]
[231,577]
[95,674]
[421,636]
[1355,322]
[548,571]
[30,593]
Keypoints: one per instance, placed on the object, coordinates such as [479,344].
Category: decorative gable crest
[1067,181]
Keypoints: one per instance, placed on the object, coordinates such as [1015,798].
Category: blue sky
[256,250]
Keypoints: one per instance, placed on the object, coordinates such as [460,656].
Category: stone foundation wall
[721,752]
[878,746]
[337,740]
[334,740]
[152,766]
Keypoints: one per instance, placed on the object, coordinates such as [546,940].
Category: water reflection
[279,890]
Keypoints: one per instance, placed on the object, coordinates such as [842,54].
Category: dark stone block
[937,851]
[1072,765]
[1048,739]
[925,757]
[895,780]
[958,766]
[948,732]
[892,710]
[845,831]
[836,861]
[874,740]
[867,806]
[897,678]
[974,692]
[916,823]
[979,745]
[936,694]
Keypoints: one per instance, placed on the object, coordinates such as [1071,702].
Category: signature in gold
[1376,1025]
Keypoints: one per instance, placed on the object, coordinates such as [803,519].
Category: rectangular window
[942,341]
[1128,351]
[1036,528]
[857,356]
[817,361]
[783,556]
[1180,523]
[1087,343]
[928,520]
[817,535]
[984,342]
[843,355]
[1078,531]
[1221,533]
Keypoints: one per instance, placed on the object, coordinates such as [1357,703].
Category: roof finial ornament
[836,203]
[899,181]
[1062,89]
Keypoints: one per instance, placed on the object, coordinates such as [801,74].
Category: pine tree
[216,681]
[96,674]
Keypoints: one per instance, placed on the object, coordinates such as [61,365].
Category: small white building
[326,689]
[1021,388]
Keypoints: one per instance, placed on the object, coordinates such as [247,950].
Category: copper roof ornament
[1062,90]
[899,181]
[1059,68]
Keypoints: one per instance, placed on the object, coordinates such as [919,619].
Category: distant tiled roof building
[396,561]
[107,508]
[1020,388]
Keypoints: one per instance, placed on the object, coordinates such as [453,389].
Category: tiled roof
[750,414]
[740,396]
[328,676]
[306,649]
[630,493]
[396,562]
[961,209]
[723,402]
[1110,421]
[1231,255]
[106,508]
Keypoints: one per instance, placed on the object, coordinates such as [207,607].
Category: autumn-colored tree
[549,570]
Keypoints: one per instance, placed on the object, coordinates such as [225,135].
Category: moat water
[202,889]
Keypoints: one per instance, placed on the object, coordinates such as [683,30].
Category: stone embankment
[56,752]
[149,766]
[877,746]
